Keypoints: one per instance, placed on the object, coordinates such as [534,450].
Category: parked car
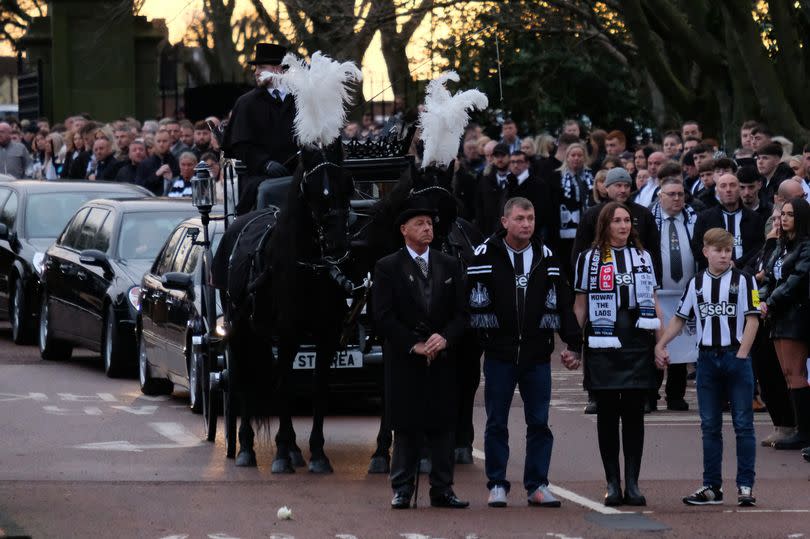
[91,277]
[33,214]
[171,316]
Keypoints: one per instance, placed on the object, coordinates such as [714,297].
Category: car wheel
[114,352]
[49,348]
[150,386]
[195,388]
[21,330]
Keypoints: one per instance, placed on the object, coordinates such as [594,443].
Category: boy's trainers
[745,498]
[706,496]
[497,496]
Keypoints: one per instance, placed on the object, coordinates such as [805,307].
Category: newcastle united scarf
[603,295]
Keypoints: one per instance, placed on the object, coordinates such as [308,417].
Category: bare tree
[16,15]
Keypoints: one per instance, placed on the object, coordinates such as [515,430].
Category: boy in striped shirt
[725,303]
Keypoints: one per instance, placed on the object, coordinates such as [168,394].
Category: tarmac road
[85,456]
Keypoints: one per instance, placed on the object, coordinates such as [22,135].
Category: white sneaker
[497,496]
[543,497]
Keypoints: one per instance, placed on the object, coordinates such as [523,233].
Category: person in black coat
[521,183]
[260,130]
[418,306]
[746,226]
[136,155]
[518,298]
[155,171]
[490,191]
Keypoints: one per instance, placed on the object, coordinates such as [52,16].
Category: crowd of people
[158,155]
[716,244]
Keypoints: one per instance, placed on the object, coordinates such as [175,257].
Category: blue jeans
[535,390]
[721,375]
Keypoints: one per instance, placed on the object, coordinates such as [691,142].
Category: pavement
[82,455]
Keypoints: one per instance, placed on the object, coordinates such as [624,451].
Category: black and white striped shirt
[719,304]
[622,276]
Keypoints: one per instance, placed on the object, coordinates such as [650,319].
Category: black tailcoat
[260,130]
[419,397]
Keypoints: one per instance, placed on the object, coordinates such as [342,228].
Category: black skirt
[790,322]
[630,367]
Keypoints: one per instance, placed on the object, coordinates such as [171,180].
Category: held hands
[571,360]
[661,357]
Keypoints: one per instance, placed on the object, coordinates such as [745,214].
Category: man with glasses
[676,223]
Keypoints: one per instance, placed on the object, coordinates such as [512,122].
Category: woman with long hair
[599,193]
[54,157]
[571,187]
[787,309]
[616,303]
[74,146]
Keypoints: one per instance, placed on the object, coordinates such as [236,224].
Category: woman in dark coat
[616,304]
[787,307]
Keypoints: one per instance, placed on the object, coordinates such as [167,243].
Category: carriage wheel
[210,400]
[229,412]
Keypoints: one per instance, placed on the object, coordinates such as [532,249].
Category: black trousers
[676,382]
[772,386]
[407,452]
[614,405]
[469,378]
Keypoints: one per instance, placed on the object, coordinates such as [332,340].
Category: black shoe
[448,499]
[401,500]
[590,408]
[613,495]
[797,440]
[677,405]
[806,454]
[633,496]
[648,407]
[464,455]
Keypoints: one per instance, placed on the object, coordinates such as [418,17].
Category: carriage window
[90,228]
[70,236]
[9,213]
[167,255]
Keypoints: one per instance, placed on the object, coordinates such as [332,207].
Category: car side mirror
[3,231]
[94,257]
[176,280]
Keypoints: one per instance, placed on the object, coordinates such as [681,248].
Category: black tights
[627,404]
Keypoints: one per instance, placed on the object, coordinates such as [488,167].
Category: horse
[300,297]
[451,235]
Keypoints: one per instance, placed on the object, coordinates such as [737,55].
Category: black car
[91,277]
[32,215]
[171,312]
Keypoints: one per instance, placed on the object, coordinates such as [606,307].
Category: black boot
[632,468]
[800,398]
[613,494]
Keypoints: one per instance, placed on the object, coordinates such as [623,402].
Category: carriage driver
[260,133]
[419,310]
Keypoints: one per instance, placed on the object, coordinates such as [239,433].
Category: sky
[178,14]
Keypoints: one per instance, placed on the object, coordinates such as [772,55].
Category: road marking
[137,410]
[561,536]
[175,432]
[8,397]
[104,397]
[568,494]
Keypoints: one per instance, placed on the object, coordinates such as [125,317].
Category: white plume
[444,118]
[321,91]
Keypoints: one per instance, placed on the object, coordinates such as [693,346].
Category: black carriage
[374,174]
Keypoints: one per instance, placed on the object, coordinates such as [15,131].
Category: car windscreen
[142,234]
[46,214]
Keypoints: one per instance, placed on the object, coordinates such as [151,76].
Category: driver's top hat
[268,53]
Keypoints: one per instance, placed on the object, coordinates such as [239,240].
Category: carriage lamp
[202,188]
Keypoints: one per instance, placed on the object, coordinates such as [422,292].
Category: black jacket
[261,130]
[538,193]
[493,304]
[643,222]
[78,166]
[127,172]
[145,174]
[488,204]
[419,396]
[769,188]
[787,297]
[752,232]
[108,168]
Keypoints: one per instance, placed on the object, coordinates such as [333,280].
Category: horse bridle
[328,261]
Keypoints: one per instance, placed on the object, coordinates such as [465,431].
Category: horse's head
[327,189]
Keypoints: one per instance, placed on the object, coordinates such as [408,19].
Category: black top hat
[414,207]
[268,53]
